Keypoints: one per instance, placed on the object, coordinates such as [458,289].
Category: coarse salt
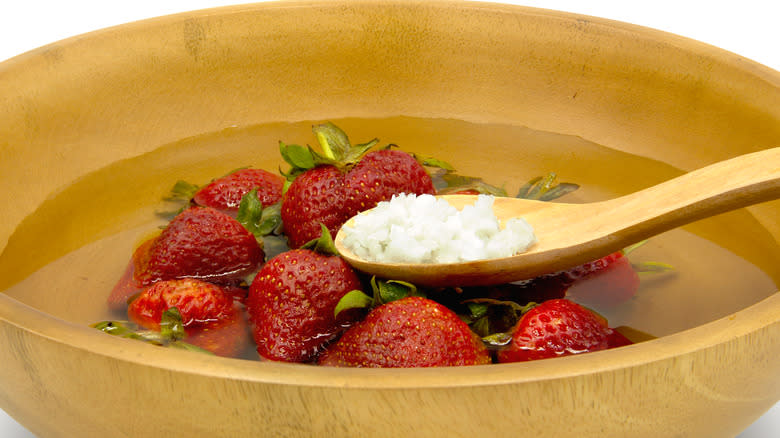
[425,229]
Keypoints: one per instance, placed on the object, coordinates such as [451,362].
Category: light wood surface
[572,234]
[73,111]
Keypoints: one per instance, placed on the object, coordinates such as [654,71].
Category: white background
[747,27]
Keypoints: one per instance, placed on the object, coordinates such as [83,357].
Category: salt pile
[426,229]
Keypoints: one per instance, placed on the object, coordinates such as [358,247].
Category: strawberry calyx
[491,319]
[383,291]
[336,150]
[171,332]
[647,267]
[544,188]
[179,198]
[323,244]
[540,188]
[258,220]
[433,162]
[448,182]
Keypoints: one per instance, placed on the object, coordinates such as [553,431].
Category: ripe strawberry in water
[555,328]
[380,175]
[605,281]
[200,242]
[292,301]
[128,285]
[209,315]
[607,286]
[225,193]
[410,332]
[315,197]
[197,301]
[330,190]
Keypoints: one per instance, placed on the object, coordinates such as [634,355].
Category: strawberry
[292,303]
[380,175]
[612,283]
[200,242]
[584,270]
[558,327]
[197,301]
[559,284]
[315,197]
[330,189]
[208,314]
[409,332]
[225,193]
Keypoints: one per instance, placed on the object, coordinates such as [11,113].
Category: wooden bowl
[95,129]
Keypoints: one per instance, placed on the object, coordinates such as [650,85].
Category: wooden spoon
[572,234]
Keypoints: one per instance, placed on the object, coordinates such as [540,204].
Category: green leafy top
[256,219]
[541,188]
[323,244]
[384,291]
[335,146]
[171,332]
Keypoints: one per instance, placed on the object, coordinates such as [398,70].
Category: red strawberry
[609,285]
[200,242]
[292,301]
[197,301]
[410,332]
[315,197]
[225,193]
[558,284]
[330,189]
[586,269]
[380,175]
[326,195]
[208,314]
[555,328]
[227,337]
[127,286]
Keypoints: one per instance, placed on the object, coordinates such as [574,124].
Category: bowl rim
[761,315]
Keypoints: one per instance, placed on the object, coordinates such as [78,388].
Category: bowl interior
[81,255]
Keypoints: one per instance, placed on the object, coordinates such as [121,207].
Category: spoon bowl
[572,234]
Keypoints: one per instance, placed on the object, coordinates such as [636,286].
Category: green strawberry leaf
[487,316]
[386,291]
[119,328]
[457,183]
[181,345]
[543,188]
[182,191]
[499,339]
[651,267]
[171,326]
[180,197]
[433,162]
[299,157]
[271,220]
[258,220]
[646,267]
[477,310]
[323,244]
[356,152]
[355,299]
[333,141]
[172,339]
[250,213]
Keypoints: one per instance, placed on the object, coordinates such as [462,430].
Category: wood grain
[571,234]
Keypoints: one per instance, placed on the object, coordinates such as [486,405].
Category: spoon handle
[727,185]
